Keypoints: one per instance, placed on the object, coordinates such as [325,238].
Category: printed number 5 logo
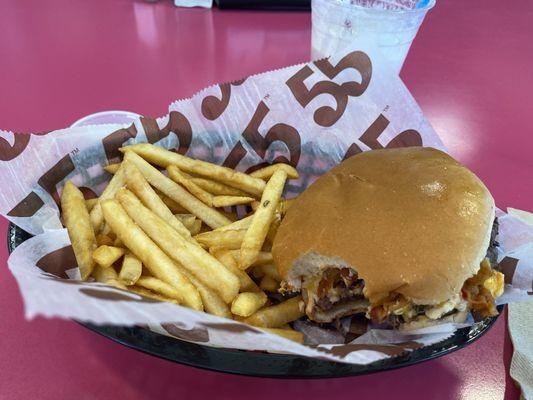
[279,132]
[325,115]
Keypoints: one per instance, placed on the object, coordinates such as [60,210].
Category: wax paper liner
[311,115]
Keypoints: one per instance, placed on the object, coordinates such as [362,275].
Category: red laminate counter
[469,69]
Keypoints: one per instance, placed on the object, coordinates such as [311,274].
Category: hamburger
[405,236]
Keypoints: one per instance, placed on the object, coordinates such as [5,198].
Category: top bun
[411,221]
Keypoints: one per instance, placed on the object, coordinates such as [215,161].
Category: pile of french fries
[170,236]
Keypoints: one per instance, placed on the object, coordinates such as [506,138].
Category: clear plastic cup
[393,24]
[107,117]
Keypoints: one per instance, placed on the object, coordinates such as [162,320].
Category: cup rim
[86,120]
[426,8]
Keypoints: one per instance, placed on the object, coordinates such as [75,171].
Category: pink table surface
[469,68]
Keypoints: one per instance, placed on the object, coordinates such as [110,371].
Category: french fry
[159,287]
[254,205]
[213,304]
[118,243]
[267,172]
[106,230]
[217,188]
[290,334]
[210,216]
[171,204]
[245,304]
[177,176]
[142,189]
[274,226]
[268,284]
[80,231]
[225,257]
[112,168]
[90,203]
[264,257]
[205,267]
[196,227]
[186,219]
[164,158]
[107,276]
[228,201]
[227,239]
[148,293]
[278,315]
[269,270]
[190,222]
[153,258]
[105,256]
[243,223]
[97,217]
[131,269]
[102,239]
[257,232]
[282,208]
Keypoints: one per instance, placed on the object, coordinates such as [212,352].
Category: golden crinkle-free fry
[77,221]
[274,226]
[164,158]
[255,205]
[225,257]
[227,239]
[217,188]
[213,303]
[186,219]
[210,216]
[152,257]
[106,230]
[281,210]
[246,303]
[191,256]
[278,315]
[243,223]
[171,204]
[290,334]
[142,189]
[196,228]
[193,224]
[102,239]
[112,168]
[158,286]
[118,181]
[107,276]
[269,284]
[179,177]
[131,269]
[267,172]
[90,203]
[148,293]
[258,230]
[264,257]
[105,255]
[228,201]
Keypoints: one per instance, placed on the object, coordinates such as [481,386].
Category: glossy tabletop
[469,69]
